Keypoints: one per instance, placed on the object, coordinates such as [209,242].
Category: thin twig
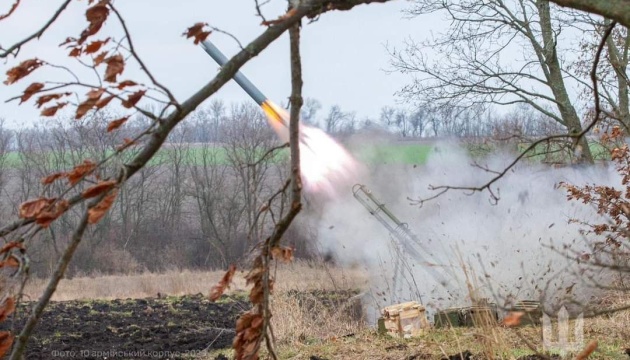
[144,68]
[500,174]
[60,271]
[17,46]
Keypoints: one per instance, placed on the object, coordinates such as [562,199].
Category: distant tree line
[196,203]
[194,206]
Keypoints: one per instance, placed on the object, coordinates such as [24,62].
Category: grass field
[406,153]
[311,318]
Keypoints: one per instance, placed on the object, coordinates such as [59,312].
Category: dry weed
[300,276]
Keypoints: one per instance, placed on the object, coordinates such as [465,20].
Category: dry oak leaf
[52,177]
[98,211]
[32,208]
[30,91]
[123,84]
[52,110]
[104,101]
[79,171]
[96,16]
[10,262]
[7,308]
[133,99]
[115,67]
[98,59]
[47,216]
[92,98]
[217,290]
[76,51]
[115,124]
[95,46]
[196,31]
[513,318]
[96,190]
[23,69]
[6,340]
[48,97]
[257,293]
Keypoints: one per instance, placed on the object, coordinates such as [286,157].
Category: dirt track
[169,328]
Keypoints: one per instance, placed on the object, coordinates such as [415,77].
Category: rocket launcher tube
[240,79]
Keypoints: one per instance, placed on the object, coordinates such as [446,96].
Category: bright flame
[325,163]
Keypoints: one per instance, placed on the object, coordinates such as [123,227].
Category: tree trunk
[619,62]
[556,82]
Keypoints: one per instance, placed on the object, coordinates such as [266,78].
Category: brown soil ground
[173,328]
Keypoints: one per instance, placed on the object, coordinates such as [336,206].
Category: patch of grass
[416,154]
[408,153]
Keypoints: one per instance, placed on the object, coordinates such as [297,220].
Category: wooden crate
[404,320]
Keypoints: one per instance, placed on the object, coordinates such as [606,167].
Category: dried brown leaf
[79,171]
[30,91]
[23,69]
[6,341]
[76,51]
[96,190]
[49,97]
[115,67]
[52,177]
[98,59]
[95,46]
[133,99]
[104,101]
[11,262]
[96,16]
[196,31]
[46,217]
[124,84]
[92,98]
[218,289]
[115,124]
[7,308]
[52,110]
[98,211]
[31,208]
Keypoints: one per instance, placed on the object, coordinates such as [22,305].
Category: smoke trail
[517,249]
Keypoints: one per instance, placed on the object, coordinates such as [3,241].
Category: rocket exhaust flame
[325,163]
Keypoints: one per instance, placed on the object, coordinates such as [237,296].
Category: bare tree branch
[16,47]
[43,301]
[135,55]
[618,10]
[576,137]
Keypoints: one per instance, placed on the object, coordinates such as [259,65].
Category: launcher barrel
[240,79]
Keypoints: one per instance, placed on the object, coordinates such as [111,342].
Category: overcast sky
[344,53]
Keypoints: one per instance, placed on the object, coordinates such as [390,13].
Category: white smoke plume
[521,248]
